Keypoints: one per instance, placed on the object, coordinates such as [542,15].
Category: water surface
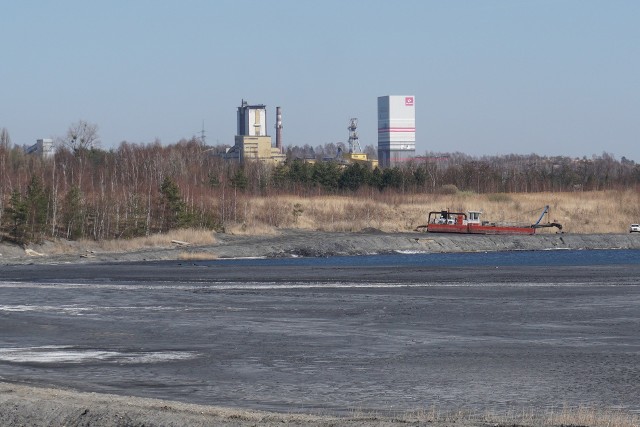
[386,332]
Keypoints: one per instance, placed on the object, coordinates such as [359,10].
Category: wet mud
[327,339]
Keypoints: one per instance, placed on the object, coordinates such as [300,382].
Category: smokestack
[279,129]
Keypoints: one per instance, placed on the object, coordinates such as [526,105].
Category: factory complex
[396,135]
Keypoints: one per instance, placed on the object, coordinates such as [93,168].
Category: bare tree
[5,139]
[82,135]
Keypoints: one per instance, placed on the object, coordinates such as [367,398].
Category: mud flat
[288,243]
[22,405]
[29,405]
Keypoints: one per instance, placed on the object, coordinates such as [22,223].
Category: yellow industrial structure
[361,158]
[252,142]
[258,148]
[355,154]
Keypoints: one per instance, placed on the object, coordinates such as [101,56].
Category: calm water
[476,259]
[563,327]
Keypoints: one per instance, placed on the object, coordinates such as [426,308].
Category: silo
[396,129]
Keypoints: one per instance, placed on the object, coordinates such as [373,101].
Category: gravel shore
[289,243]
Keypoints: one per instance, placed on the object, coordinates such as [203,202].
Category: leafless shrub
[499,197]
[271,212]
[449,189]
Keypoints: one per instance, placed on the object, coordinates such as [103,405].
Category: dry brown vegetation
[192,236]
[197,256]
[580,212]
[144,189]
[566,416]
[25,405]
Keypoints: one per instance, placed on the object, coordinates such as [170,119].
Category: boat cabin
[448,218]
[474,217]
[454,218]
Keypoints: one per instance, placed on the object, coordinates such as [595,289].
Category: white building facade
[252,120]
[396,129]
[43,147]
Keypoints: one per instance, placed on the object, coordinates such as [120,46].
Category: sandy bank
[289,243]
[35,406]
[22,405]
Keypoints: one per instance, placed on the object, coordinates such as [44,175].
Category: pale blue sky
[549,77]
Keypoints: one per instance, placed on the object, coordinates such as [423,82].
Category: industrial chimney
[279,129]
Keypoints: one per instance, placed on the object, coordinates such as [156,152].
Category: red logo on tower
[408,101]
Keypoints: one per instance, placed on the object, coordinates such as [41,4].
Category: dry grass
[191,236]
[592,417]
[581,416]
[37,402]
[251,228]
[196,256]
[578,212]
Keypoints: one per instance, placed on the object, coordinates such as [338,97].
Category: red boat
[461,223]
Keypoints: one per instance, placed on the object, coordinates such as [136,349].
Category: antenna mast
[354,142]
[203,137]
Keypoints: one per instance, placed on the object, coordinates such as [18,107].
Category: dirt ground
[22,405]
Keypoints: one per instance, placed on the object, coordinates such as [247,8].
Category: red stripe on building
[396,130]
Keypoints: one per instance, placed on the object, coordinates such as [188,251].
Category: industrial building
[355,154]
[252,142]
[43,147]
[396,129]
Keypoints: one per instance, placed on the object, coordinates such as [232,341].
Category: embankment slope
[286,243]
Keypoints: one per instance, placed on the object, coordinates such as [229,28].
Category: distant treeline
[139,189]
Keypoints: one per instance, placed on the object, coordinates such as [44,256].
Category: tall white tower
[396,129]
[252,120]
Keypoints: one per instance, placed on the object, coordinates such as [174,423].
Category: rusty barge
[461,223]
